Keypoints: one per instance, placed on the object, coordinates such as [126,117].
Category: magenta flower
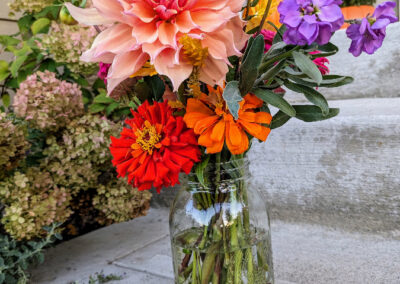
[368,34]
[268,38]
[103,71]
[310,21]
[321,63]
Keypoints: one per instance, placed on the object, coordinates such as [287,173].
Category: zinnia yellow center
[147,138]
[193,50]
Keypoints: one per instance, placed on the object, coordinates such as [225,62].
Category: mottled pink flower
[145,30]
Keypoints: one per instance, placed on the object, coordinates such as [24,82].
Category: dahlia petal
[143,11]
[153,49]
[214,71]
[167,34]
[123,66]
[116,39]
[235,5]
[185,22]
[111,9]
[209,22]
[164,65]
[145,32]
[210,4]
[88,16]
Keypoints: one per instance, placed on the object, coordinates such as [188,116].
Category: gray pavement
[139,251]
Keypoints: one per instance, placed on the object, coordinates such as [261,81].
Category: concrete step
[342,172]
[139,250]
[375,76]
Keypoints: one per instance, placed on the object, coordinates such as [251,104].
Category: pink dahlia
[173,35]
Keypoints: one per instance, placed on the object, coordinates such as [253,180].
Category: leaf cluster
[16,257]
[284,66]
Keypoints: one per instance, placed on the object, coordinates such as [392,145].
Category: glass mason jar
[219,227]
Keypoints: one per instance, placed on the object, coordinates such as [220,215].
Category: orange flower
[210,118]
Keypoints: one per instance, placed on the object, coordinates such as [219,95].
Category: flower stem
[264,18]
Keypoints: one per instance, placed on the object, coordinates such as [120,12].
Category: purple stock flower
[368,34]
[310,21]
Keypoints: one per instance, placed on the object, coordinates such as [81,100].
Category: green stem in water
[194,269]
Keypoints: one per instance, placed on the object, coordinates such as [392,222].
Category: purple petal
[330,13]
[292,19]
[356,47]
[308,31]
[353,32]
[380,24]
[386,10]
[325,33]
[286,6]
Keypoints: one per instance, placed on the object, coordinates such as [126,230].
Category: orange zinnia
[210,118]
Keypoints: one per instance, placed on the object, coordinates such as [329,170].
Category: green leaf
[110,108]
[279,35]
[103,99]
[333,81]
[157,86]
[48,64]
[24,24]
[4,72]
[311,94]
[6,100]
[271,73]
[307,66]
[6,40]
[95,108]
[232,98]
[279,119]
[310,113]
[16,65]
[326,50]
[275,100]
[49,11]
[200,170]
[41,26]
[249,67]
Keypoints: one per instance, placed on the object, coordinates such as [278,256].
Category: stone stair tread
[302,254]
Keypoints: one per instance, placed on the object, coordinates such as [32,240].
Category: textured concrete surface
[342,172]
[140,252]
[375,76]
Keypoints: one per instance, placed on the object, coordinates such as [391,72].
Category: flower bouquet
[215,74]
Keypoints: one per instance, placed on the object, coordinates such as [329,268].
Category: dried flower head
[81,156]
[66,43]
[119,202]
[32,201]
[48,103]
[13,143]
[29,6]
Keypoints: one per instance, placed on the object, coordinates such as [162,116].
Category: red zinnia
[155,149]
